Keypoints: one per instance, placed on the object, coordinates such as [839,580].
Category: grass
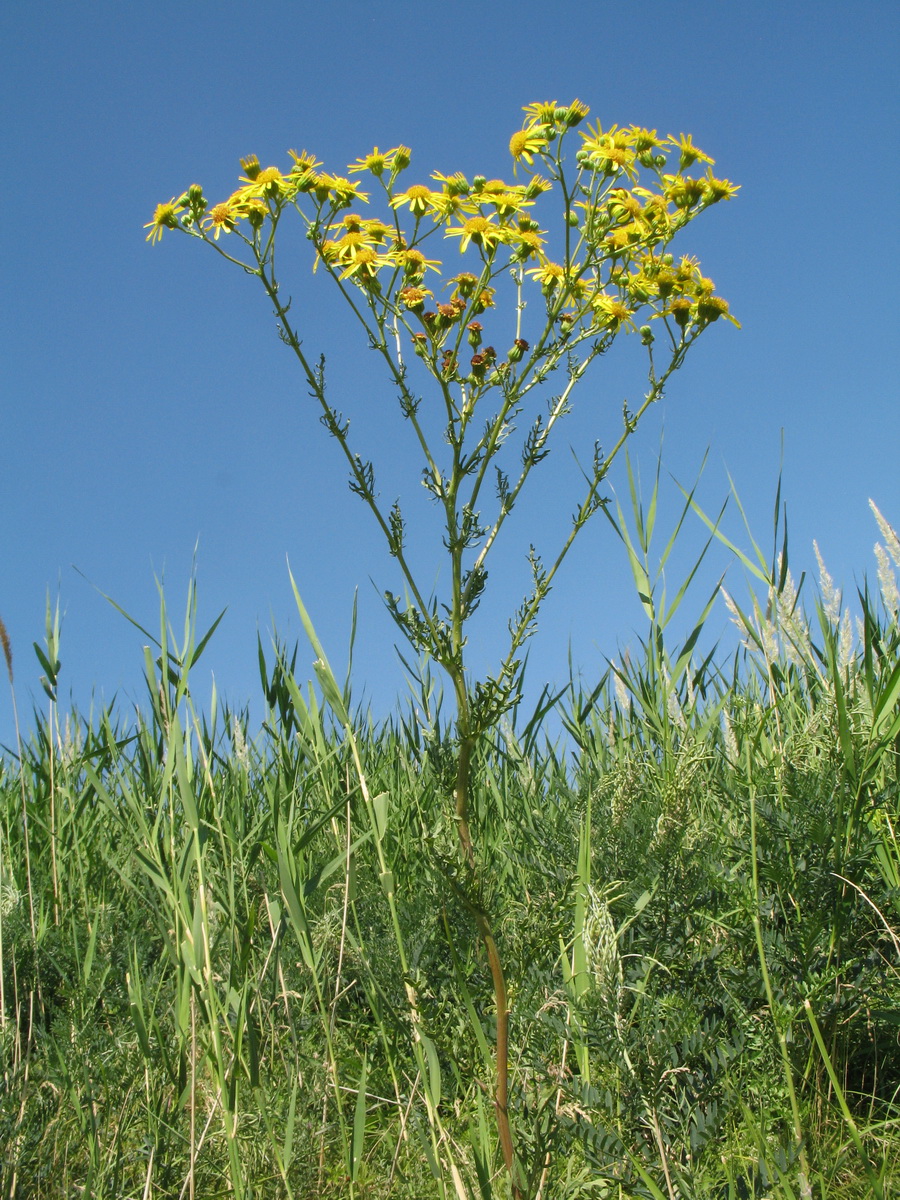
[243,964]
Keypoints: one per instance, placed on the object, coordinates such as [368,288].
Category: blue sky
[149,407]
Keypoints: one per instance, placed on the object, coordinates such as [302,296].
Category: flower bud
[196,198]
[646,335]
[402,156]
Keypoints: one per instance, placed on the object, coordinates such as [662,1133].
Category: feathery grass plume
[7,649]
[887,580]
[831,596]
[622,696]
[888,533]
[791,623]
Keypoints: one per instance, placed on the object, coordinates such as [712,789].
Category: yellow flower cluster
[619,223]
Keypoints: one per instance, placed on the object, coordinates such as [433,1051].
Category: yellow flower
[349,246]
[549,275]
[718,189]
[419,198]
[484,299]
[303,173]
[365,263]
[575,114]
[164,217]
[260,182]
[454,185]
[556,116]
[479,230]
[508,203]
[710,308]
[528,242]
[683,191]
[525,143]
[253,208]
[374,162]
[536,185]
[622,206]
[611,312]
[688,267]
[622,237]
[342,191]
[609,152]
[464,283]
[304,161]
[680,309]
[541,113]
[413,262]
[219,217]
[644,139]
[414,297]
[689,152]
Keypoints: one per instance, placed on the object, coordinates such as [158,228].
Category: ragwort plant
[622,196]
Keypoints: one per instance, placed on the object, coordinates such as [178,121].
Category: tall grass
[243,964]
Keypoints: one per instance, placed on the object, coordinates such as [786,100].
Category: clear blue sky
[147,402]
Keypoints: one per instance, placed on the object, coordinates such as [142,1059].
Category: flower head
[419,198]
[374,162]
[413,262]
[480,230]
[525,143]
[342,192]
[363,263]
[454,185]
[165,216]
[414,297]
[718,189]
[220,217]
[689,152]
[260,181]
[611,312]
[378,162]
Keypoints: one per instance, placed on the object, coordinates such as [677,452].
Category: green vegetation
[249,966]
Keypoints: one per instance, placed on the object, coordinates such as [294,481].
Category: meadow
[244,962]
